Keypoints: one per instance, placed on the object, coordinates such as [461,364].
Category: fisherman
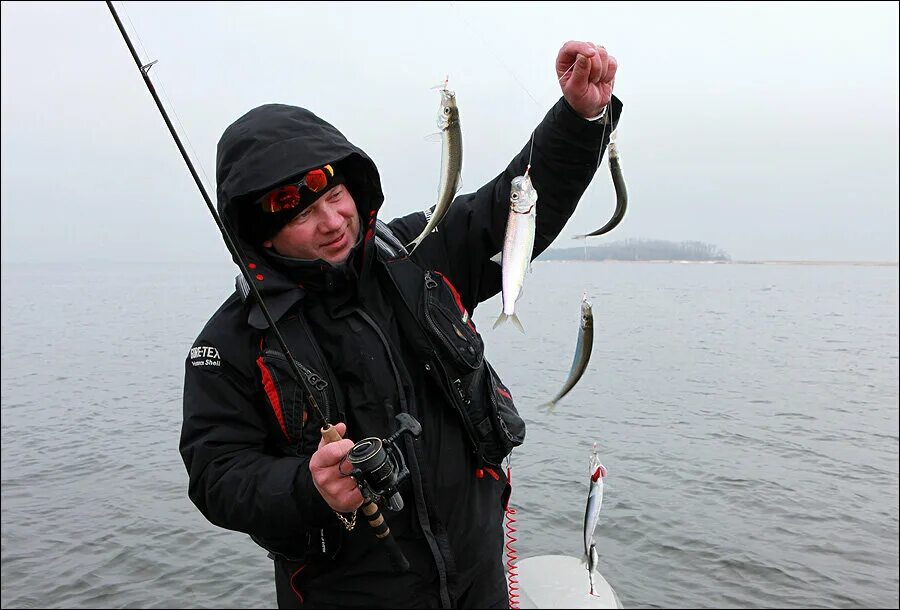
[376,334]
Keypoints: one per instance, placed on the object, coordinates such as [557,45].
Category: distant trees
[641,250]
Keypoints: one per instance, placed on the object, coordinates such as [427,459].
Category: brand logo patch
[205,355]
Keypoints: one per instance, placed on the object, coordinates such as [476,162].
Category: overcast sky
[767,129]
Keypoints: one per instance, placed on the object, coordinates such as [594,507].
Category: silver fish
[518,245]
[615,171]
[451,162]
[583,347]
[592,512]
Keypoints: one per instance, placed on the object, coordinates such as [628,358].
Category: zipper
[422,511]
[431,284]
[497,415]
[313,379]
[315,346]
[454,387]
[457,392]
[456,384]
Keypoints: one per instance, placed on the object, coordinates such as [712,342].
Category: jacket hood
[268,146]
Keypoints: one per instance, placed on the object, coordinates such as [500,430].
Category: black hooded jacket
[384,333]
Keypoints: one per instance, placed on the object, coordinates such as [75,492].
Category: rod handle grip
[383,533]
[330,433]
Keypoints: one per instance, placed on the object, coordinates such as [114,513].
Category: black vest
[437,328]
[434,321]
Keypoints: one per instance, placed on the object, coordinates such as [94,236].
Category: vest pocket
[486,403]
[289,400]
[490,409]
[502,430]
[314,543]
[450,323]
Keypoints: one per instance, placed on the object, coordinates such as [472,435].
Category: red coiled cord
[512,569]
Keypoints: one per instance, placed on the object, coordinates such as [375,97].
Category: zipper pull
[317,382]
[429,281]
[462,395]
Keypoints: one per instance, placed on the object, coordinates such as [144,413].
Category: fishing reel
[379,466]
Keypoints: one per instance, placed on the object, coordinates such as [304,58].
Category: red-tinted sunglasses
[288,196]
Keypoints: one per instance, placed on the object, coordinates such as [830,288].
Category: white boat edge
[561,581]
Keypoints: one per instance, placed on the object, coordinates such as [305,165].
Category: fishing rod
[327,430]
[383,466]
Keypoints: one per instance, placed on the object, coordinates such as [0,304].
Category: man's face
[327,230]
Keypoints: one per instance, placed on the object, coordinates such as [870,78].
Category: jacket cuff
[314,511]
[573,124]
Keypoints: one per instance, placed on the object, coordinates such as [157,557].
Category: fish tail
[515,321]
[413,245]
[550,405]
[500,320]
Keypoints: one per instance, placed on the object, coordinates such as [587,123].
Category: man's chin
[341,257]
[337,258]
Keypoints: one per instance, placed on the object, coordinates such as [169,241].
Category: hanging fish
[518,245]
[583,347]
[451,162]
[592,513]
[615,171]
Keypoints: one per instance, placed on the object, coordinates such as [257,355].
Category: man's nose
[332,219]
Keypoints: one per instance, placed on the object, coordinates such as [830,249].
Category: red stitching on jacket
[293,588]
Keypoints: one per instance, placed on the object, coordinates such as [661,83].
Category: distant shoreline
[659,251]
[760,262]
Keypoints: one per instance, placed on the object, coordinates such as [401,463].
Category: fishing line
[512,73]
[600,154]
[169,104]
[497,57]
[533,131]
[237,253]
[605,116]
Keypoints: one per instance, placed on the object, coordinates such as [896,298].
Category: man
[375,333]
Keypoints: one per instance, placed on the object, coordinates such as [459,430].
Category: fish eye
[514,196]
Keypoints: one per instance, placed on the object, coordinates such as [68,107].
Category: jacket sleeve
[235,479]
[567,150]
